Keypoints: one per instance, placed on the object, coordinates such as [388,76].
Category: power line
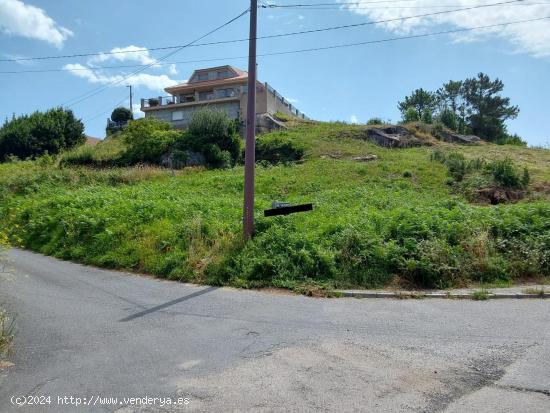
[509,2]
[342,4]
[94,92]
[105,111]
[466,29]
[300,50]
[339,7]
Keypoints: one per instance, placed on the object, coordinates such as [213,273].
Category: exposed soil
[498,195]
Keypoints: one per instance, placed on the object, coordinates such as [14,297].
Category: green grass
[372,222]
[480,295]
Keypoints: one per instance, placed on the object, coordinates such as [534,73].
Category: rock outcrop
[393,137]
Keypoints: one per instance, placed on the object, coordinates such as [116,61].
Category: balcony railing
[160,101]
[173,100]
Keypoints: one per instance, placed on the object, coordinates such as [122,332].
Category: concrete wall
[261,102]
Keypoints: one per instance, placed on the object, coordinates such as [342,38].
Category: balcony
[189,100]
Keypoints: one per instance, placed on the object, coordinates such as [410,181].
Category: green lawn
[373,223]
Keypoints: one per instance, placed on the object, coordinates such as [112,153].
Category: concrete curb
[448,295]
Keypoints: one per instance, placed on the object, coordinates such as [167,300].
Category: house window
[226,93]
[202,76]
[223,74]
[177,115]
[206,95]
[187,98]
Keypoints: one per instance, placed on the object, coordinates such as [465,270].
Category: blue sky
[350,84]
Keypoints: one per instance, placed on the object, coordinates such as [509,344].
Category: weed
[480,295]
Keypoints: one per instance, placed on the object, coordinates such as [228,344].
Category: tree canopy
[472,106]
[121,114]
[40,132]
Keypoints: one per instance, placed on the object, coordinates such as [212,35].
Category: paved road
[85,332]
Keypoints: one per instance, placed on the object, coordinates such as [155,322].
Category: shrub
[278,149]
[375,121]
[121,114]
[511,140]
[279,253]
[505,174]
[33,135]
[214,134]
[457,165]
[147,140]
[362,258]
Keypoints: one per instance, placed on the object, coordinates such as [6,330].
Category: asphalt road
[90,333]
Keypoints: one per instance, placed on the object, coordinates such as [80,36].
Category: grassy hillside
[391,220]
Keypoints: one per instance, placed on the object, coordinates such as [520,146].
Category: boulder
[452,137]
[393,137]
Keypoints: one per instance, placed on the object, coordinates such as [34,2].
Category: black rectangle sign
[288,210]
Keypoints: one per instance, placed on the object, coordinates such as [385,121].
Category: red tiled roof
[182,87]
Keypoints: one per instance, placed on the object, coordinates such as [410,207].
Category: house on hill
[223,88]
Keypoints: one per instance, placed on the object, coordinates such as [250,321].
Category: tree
[451,106]
[121,114]
[33,135]
[422,101]
[486,110]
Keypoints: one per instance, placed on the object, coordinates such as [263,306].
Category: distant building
[223,88]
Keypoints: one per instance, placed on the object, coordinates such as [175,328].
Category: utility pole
[250,146]
[131,106]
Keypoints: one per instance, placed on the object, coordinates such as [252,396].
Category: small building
[222,88]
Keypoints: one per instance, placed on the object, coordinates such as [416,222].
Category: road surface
[94,334]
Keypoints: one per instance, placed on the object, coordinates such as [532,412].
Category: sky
[350,84]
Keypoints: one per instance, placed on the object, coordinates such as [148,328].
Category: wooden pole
[250,146]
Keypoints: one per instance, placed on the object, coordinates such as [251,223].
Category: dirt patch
[497,195]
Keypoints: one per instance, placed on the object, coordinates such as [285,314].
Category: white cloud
[293,101]
[137,111]
[173,69]
[126,54]
[153,82]
[532,38]
[353,119]
[20,19]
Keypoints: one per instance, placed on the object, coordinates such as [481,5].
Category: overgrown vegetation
[372,222]
[6,333]
[34,135]
[479,179]
[473,106]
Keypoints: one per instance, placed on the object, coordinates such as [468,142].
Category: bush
[457,165]
[214,134]
[506,174]
[512,140]
[147,140]
[375,121]
[279,253]
[278,149]
[362,258]
[33,135]
[121,114]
